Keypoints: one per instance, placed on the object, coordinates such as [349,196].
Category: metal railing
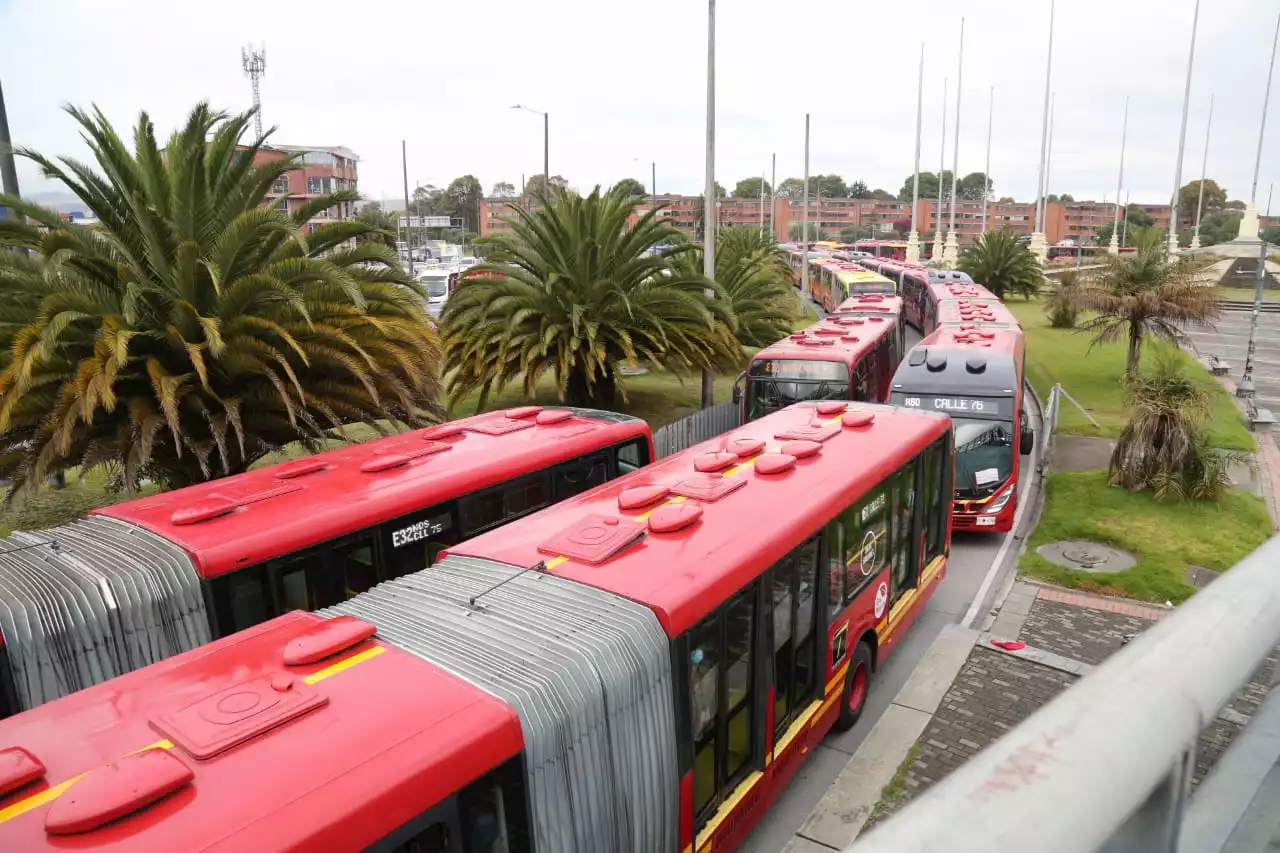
[700,426]
[1107,765]
[1247,305]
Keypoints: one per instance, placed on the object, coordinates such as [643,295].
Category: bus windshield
[775,383]
[984,455]
[436,285]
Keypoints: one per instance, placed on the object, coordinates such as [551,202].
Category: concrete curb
[843,811]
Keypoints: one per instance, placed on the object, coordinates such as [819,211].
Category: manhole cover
[1087,556]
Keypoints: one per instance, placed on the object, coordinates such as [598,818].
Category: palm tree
[1062,302]
[1143,294]
[573,290]
[756,279]
[195,329]
[1003,265]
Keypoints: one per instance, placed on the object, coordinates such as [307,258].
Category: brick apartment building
[1078,221]
[325,169]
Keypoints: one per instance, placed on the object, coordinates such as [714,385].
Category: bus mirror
[1027,441]
[737,388]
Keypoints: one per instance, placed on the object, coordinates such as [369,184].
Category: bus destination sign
[987,407]
[420,530]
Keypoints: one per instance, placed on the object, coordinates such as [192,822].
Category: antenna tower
[255,66]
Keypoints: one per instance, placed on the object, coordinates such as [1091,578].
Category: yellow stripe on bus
[726,809]
[52,793]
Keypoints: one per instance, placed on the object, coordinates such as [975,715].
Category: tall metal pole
[8,171]
[1037,238]
[653,166]
[913,239]
[986,170]
[1172,242]
[949,254]
[762,205]
[942,163]
[404,164]
[1204,171]
[1124,226]
[1269,189]
[1114,247]
[1048,169]
[773,195]
[804,225]
[709,199]
[1245,389]
[1249,222]
[546,154]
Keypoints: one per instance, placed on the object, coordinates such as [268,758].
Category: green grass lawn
[1165,537]
[1245,293]
[1093,378]
[51,507]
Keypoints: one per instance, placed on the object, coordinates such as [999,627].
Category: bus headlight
[1000,502]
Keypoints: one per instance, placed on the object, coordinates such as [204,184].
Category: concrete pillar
[1249,224]
[951,251]
[913,248]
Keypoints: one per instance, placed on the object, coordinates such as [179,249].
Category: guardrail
[1107,765]
[1247,305]
[700,426]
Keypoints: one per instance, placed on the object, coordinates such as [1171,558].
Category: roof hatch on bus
[707,487]
[594,538]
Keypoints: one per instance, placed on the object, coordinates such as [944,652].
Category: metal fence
[701,425]
[1107,765]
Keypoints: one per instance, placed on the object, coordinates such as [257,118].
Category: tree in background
[573,291]
[533,187]
[382,225]
[464,194]
[796,232]
[1145,294]
[853,234]
[1065,198]
[902,226]
[631,186]
[750,188]
[1215,201]
[858,189]
[792,188]
[1003,265]
[928,185]
[974,186]
[1222,227]
[197,328]
[1235,204]
[1005,199]
[1271,235]
[1062,303]
[882,195]
[828,186]
[502,189]
[756,278]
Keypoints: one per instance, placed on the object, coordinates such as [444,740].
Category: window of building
[282,205]
[281,184]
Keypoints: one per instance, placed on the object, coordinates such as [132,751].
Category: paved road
[1229,341]
[971,558]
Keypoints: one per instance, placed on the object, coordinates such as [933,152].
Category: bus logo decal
[840,645]
[868,562]
[882,598]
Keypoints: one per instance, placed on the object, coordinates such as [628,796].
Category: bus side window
[242,599]
[862,389]
[936,503]
[578,475]
[500,504]
[866,538]
[632,456]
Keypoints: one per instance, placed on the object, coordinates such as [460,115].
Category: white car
[436,283]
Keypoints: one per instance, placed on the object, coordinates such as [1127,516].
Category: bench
[1259,417]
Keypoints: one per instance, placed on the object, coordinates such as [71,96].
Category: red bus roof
[394,736]
[241,520]
[843,339]
[959,290]
[869,304]
[982,311]
[997,340]
[748,520]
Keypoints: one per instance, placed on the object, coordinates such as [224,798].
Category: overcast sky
[625,85]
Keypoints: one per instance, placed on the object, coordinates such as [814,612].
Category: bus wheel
[857,684]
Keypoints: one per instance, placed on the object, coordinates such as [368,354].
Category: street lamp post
[1114,247]
[938,255]
[1246,389]
[546,146]
[1172,242]
[986,170]
[1204,171]
[913,239]
[952,249]
[709,199]
[1038,247]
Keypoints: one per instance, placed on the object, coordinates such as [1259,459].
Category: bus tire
[857,686]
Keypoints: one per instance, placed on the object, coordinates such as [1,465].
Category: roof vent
[832,407]
[816,342]
[976,364]
[775,463]
[238,713]
[206,510]
[851,321]
[301,468]
[801,448]
[437,433]
[917,357]
[641,496]
[17,768]
[707,487]
[744,447]
[553,416]
[327,638]
[797,336]
[503,425]
[936,362]
[827,330]
[858,419]
[594,538]
[714,461]
[849,339]
[875,319]
[520,412]
[110,792]
[816,431]
[384,462]
[674,517]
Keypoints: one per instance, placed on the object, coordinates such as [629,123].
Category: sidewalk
[990,691]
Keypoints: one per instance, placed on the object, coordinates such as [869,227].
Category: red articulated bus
[923,290]
[833,282]
[868,305]
[139,581]
[639,668]
[839,358]
[973,371]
